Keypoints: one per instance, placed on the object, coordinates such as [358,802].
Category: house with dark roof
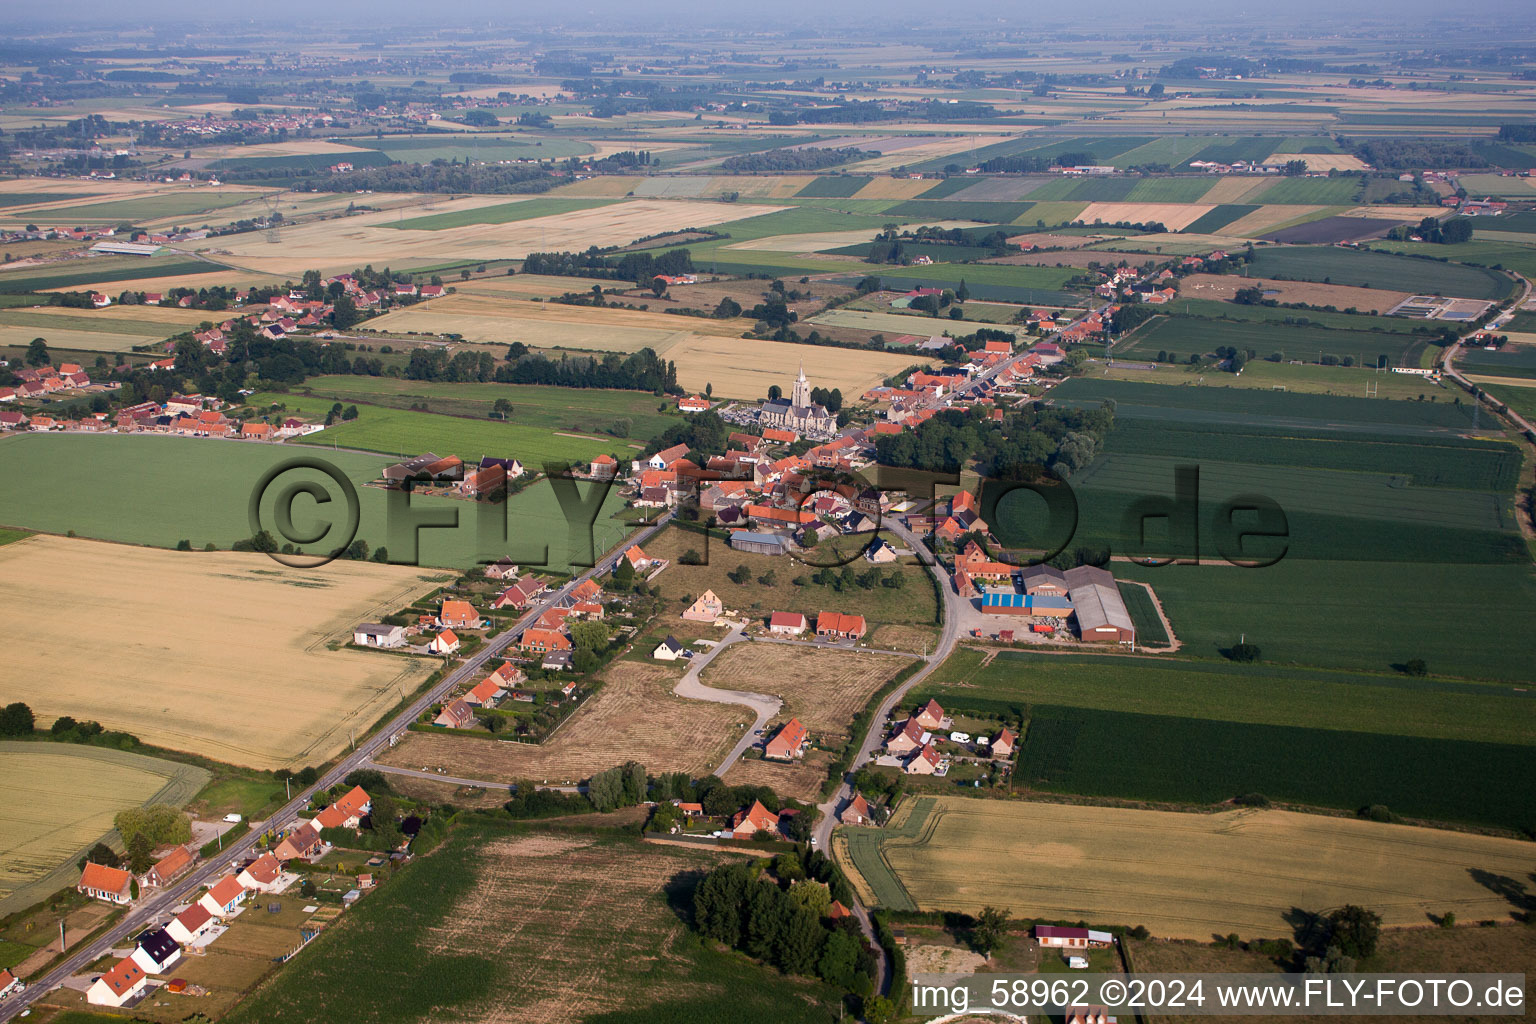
[155,951]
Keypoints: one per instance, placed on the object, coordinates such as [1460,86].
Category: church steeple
[801,396]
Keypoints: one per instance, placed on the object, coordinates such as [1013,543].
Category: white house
[191,924]
[224,896]
[668,650]
[119,985]
[264,874]
[446,642]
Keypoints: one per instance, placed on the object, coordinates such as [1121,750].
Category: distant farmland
[1382,270]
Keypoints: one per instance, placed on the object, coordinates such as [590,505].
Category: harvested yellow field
[894,188]
[1399,213]
[606,187]
[1174,216]
[777,186]
[1235,189]
[1225,286]
[61,798]
[634,717]
[1194,875]
[529,286]
[334,245]
[1266,218]
[69,340]
[1324,161]
[739,368]
[224,654]
[225,278]
[173,317]
[961,145]
[819,241]
[293,147]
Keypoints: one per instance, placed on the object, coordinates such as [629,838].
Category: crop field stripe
[505,213]
[43,279]
[833,187]
[1211,223]
[1363,269]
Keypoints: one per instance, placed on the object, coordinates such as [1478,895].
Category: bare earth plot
[739,368]
[61,798]
[1194,875]
[219,653]
[333,245]
[634,717]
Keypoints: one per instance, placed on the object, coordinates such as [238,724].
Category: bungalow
[604,467]
[501,569]
[485,693]
[119,986]
[347,811]
[458,615]
[1069,938]
[789,742]
[840,626]
[931,716]
[302,843]
[12,420]
[588,610]
[909,736]
[1003,743]
[444,643]
[256,431]
[856,812]
[224,896]
[927,761]
[455,715]
[100,882]
[519,594]
[156,951]
[542,641]
[378,634]
[786,623]
[100,301]
[707,608]
[558,661]
[167,868]
[433,291]
[191,924]
[689,403]
[639,560]
[756,818]
[668,650]
[262,874]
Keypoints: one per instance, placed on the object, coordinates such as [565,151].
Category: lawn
[535,926]
[504,213]
[1165,759]
[1186,875]
[63,798]
[1263,694]
[139,470]
[1365,269]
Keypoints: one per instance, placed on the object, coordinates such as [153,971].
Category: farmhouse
[119,986]
[100,882]
[458,615]
[786,623]
[378,634]
[455,715]
[478,483]
[191,924]
[690,403]
[346,812]
[707,608]
[856,812]
[224,896]
[756,818]
[167,868]
[302,843]
[789,742]
[668,650]
[263,874]
[840,626]
[542,641]
[156,951]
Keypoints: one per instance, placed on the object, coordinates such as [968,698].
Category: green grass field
[1364,269]
[505,213]
[139,471]
[94,270]
[832,187]
[1312,192]
[1187,335]
[1211,223]
[574,410]
[1215,309]
[1521,399]
[1514,255]
[1261,694]
[533,925]
[1198,760]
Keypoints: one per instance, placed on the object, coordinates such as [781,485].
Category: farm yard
[1183,875]
[246,664]
[139,469]
[539,926]
[63,798]
[634,716]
